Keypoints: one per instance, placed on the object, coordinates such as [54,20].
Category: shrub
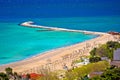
[113,44]
[3,76]
[93,52]
[94,59]
[8,70]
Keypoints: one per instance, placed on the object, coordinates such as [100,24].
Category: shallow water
[18,42]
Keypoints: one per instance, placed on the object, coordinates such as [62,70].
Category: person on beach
[65,67]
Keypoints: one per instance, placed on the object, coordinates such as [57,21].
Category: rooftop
[116,56]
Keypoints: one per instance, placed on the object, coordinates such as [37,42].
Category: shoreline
[57,57]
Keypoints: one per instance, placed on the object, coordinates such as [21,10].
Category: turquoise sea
[18,42]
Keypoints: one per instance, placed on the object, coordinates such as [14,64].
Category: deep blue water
[18,43]
[100,24]
[58,8]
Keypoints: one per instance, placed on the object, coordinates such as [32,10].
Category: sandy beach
[54,59]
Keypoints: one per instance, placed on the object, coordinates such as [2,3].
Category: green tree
[3,76]
[93,52]
[105,50]
[111,74]
[113,44]
[8,71]
[94,59]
